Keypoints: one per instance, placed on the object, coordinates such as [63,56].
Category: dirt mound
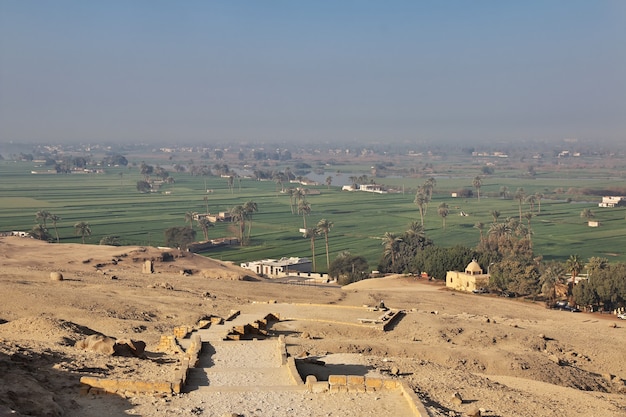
[45,329]
[374,283]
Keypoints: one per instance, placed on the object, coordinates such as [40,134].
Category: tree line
[41,231]
[505,251]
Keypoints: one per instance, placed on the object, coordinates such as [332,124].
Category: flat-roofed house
[275,268]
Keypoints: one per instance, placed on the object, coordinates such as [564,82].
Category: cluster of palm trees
[509,225]
[361,179]
[241,214]
[423,196]
[501,231]
[202,221]
[322,228]
[40,230]
[298,203]
[553,272]
[400,250]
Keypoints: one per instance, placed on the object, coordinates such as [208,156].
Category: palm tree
[250,207]
[292,193]
[539,196]
[83,229]
[574,264]
[477,183]
[495,214]
[390,242]
[278,178]
[586,214]
[324,226]
[190,217]
[329,181]
[595,263]
[504,191]
[421,200]
[305,208]
[39,232]
[520,194]
[204,224]
[429,186]
[415,228]
[549,280]
[480,226]
[231,183]
[311,233]
[146,170]
[206,203]
[299,195]
[443,211]
[54,219]
[528,216]
[43,216]
[531,200]
[238,214]
[500,230]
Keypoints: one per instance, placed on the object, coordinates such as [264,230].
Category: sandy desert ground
[506,357]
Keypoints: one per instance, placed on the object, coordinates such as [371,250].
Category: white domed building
[471,279]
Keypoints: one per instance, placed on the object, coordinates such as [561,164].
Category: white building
[612,201]
[275,268]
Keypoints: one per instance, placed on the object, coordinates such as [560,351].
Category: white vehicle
[621,316]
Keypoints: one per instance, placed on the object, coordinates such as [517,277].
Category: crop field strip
[112,206]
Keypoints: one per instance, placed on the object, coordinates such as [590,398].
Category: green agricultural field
[111,204]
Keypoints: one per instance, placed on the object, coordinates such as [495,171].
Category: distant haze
[215,71]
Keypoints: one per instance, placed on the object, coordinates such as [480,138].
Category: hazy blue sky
[336,70]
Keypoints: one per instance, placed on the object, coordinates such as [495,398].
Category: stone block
[310,380]
[356,380]
[390,384]
[375,383]
[356,388]
[56,276]
[337,380]
[148,267]
[338,389]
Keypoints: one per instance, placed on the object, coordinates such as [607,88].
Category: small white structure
[373,188]
[593,223]
[612,201]
[369,188]
[275,268]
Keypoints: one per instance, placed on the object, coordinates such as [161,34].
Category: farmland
[111,204]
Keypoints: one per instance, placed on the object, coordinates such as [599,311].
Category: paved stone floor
[249,378]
